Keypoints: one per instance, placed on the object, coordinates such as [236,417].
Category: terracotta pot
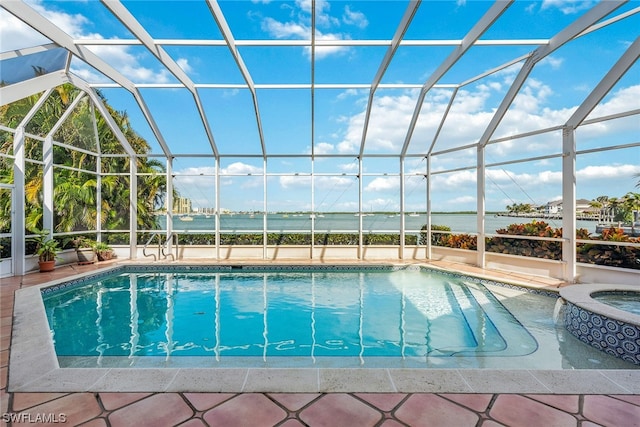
[46,266]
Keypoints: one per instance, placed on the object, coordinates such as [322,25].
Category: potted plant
[47,250]
[103,251]
[84,250]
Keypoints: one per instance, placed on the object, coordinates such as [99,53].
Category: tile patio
[299,409]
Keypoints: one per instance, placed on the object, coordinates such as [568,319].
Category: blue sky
[554,89]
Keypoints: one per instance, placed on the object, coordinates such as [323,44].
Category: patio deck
[293,409]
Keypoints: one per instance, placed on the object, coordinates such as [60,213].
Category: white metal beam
[569,204]
[308,43]
[313,103]
[19,225]
[45,27]
[442,121]
[129,21]
[28,15]
[214,7]
[65,115]
[17,91]
[596,13]
[47,170]
[606,84]
[27,51]
[97,101]
[472,36]
[412,8]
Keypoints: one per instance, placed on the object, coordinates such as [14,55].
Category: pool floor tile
[432,410]
[515,410]
[340,409]
[22,401]
[384,401]
[112,401]
[205,401]
[294,401]
[608,411]
[475,402]
[248,409]
[194,422]
[96,422]
[76,409]
[566,403]
[168,409]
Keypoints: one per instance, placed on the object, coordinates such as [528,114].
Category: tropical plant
[82,242]
[520,208]
[103,250]
[47,248]
[75,182]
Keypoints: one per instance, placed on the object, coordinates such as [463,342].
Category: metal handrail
[167,244]
[144,249]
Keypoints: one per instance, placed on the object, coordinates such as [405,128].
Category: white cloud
[624,99]
[382,184]
[597,173]
[350,93]
[15,35]
[184,64]
[351,17]
[299,27]
[348,167]
[553,62]
[288,182]
[239,168]
[324,148]
[567,7]
[285,30]
[333,182]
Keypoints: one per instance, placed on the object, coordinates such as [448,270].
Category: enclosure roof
[330,78]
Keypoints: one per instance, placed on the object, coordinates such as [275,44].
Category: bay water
[349,222]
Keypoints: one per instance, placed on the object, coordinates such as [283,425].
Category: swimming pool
[273,314]
[265,316]
[623,300]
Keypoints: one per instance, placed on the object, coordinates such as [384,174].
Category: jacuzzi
[603,325]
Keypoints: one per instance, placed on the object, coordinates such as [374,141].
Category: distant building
[583,208]
[553,208]
[182,205]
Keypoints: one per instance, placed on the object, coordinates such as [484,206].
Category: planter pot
[105,255]
[86,256]
[46,266]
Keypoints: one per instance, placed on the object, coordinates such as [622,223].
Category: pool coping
[581,295]
[33,367]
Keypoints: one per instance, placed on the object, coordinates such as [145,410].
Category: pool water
[627,301]
[273,317]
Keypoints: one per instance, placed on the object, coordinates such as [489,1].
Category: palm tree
[631,205]
[75,192]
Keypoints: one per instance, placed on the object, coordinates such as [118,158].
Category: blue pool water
[303,316]
[275,313]
[627,301]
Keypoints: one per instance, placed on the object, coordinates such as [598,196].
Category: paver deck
[298,409]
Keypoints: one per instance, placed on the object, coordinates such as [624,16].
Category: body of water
[348,222]
[263,316]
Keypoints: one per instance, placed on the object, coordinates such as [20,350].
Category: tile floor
[297,409]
